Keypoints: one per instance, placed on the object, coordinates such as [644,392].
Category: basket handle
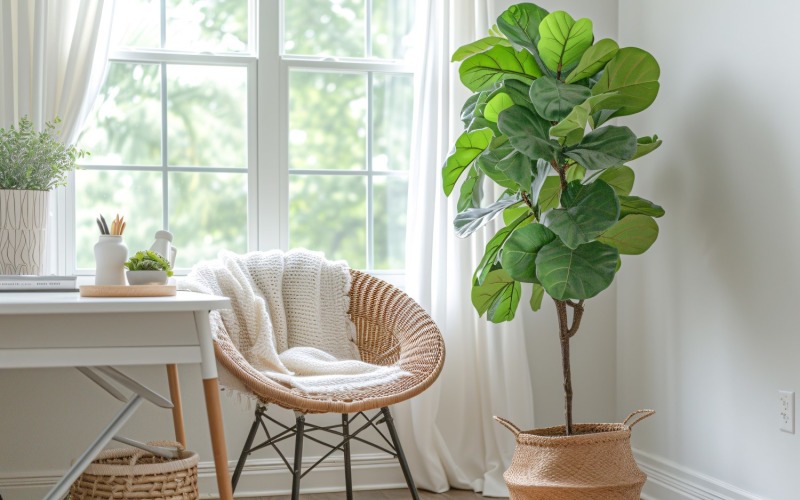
[642,414]
[508,425]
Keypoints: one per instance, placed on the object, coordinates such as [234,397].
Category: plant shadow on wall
[537,126]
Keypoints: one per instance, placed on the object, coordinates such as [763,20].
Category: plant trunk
[565,332]
[563,335]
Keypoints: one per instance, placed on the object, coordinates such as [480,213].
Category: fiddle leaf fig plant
[537,126]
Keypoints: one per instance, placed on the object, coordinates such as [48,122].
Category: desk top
[72,302]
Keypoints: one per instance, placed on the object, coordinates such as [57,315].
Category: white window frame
[267,130]
[339,65]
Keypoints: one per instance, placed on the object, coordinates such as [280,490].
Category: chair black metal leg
[348,477]
[298,456]
[401,457]
[245,452]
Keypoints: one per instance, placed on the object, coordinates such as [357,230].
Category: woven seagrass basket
[595,463]
[130,473]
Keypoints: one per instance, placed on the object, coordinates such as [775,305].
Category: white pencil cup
[110,254]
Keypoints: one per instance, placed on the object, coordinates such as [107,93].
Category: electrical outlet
[786,411]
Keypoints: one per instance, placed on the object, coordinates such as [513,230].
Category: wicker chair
[392,330]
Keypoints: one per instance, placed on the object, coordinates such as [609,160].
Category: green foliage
[33,160]
[562,40]
[148,260]
[535,126]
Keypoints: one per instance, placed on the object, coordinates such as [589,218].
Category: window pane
[324,28]
[327,120]
[207,26]
[392,108]
[389,223]
[137,23]
[207,213]
[391,25]
[207,116]
[134,195]
[328,213]
[124,128]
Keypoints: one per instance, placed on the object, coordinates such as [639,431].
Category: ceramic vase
[23,218]
[110,254]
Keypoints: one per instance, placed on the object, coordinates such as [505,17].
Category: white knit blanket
[289,319]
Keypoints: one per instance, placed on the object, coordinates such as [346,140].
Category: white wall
[707,329]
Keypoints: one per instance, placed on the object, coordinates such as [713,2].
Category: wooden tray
[128,290]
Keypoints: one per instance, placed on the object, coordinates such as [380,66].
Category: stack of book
[27,283]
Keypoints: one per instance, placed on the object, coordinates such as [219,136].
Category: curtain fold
[448,432]
[53,55]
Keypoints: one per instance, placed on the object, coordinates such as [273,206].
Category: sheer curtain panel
[53,55]
[448,431]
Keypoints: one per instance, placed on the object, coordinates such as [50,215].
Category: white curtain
[53,56]
[448,432]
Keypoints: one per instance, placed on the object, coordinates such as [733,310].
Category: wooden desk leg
[177,406]
[211,389]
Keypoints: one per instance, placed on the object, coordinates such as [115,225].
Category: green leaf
[473,107]
[573,126]
[505,305]
[498,294]
[604,147]
[563,40]
[468,146]
[576,173]
[519,252]
[539,179]
[497,104]
[632,75]
[528,133]
[594,59]
[472,219]
[518,92]
[620,178]
[632,235]
[478,46]
[589,209]
[634,205]
[496,243]
[537,294]
[550,194]
[554,100]
[513,213]
[482,71]
[577,274]
[487,161]
[520,23]
[471,190]
[646,145]
[517,167]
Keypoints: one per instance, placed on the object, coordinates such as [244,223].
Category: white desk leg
[62,487]
[208,368]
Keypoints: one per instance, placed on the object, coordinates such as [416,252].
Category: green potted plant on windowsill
[31,164]
[537,126]
[148,268]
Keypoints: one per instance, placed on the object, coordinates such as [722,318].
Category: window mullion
[164,151]
[370,190]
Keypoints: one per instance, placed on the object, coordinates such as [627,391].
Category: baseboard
[260,477]
[667,480]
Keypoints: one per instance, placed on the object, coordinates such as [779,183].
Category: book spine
[37,285]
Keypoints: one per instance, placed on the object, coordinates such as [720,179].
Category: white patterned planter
[23,216]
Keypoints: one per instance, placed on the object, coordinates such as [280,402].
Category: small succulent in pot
[147,268]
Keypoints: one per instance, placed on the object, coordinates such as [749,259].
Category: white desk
[53,329]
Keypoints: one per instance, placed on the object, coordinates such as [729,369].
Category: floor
[384,495]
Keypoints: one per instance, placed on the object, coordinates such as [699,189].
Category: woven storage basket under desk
[130,473]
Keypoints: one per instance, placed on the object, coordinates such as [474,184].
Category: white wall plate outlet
[786,411]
